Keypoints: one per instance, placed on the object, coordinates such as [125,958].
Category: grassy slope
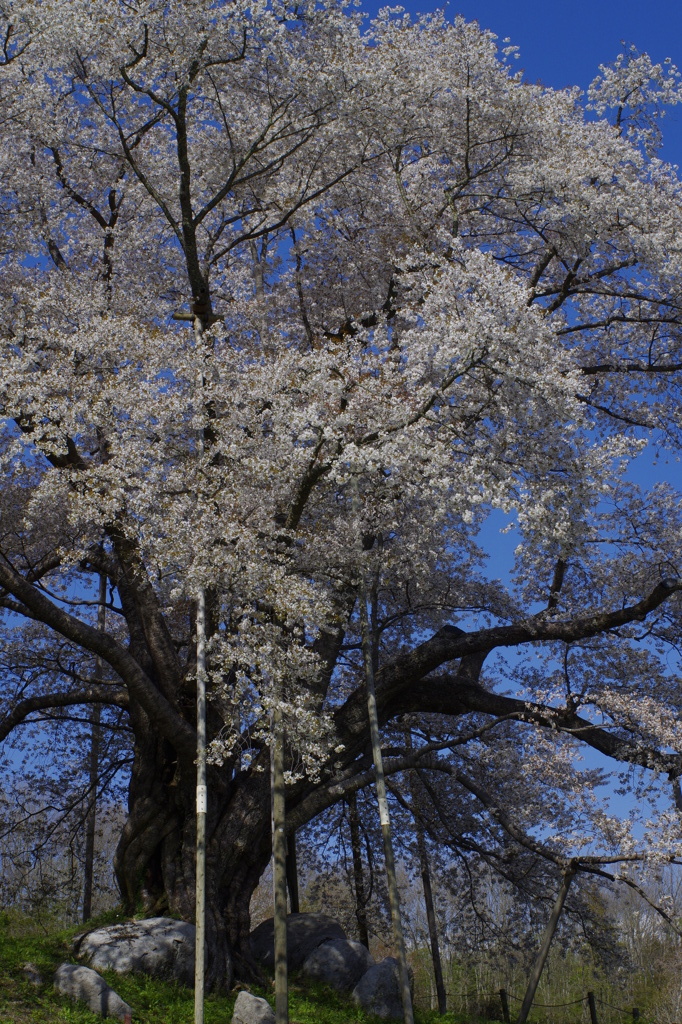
[154,1002]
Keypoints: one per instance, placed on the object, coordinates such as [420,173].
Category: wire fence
[548,1006]
[589,1002]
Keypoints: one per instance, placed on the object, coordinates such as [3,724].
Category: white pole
[279,870]
[384,818]
[201,813]
[200,901]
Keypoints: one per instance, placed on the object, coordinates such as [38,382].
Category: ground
[155,1002]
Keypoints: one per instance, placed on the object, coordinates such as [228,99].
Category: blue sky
[563,43]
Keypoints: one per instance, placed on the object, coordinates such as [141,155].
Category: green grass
[154,1002]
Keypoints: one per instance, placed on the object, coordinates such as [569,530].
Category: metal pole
[545,944]
[279,868]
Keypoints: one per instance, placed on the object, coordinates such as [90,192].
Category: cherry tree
[291,306]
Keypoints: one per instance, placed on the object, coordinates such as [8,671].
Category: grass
[154,1002]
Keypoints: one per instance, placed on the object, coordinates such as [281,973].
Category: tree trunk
[155,858]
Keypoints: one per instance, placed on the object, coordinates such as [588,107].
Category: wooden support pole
[592,1005]
[292,874]
[384,818]
[93,766]
[369,657]
[200,899]
[431,921]
[201,793]
[545,944]
[428,892]
[505,1006]
[91,820]
[358,876]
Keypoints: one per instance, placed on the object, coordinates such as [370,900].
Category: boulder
[378,990]
[250,1009]
[86,986]
[159,946]
[305,932]
[339,963]
[32,974]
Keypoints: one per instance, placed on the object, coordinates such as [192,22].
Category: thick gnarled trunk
[155,858]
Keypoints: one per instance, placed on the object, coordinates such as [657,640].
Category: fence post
[635,1014]
[593,1008]
[505,1006]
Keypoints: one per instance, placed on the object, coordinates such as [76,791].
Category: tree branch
[102,694]
[170,723]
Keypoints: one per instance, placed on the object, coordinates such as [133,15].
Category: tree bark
[155,858]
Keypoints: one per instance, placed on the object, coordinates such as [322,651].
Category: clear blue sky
[563,43]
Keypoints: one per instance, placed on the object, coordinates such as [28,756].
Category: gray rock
[159,946]
[362,952]
[339,963]
[305,932]
[250,1009]
[86,986]
[32,974]
[378,990]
